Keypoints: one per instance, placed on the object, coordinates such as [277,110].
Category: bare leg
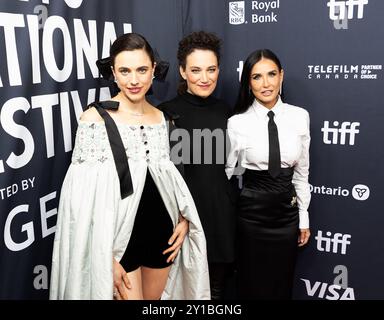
[154,281]
[136,293]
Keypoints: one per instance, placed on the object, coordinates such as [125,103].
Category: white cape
[94,224]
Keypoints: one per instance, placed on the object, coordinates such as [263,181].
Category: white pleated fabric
[94,224]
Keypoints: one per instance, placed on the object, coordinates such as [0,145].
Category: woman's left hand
[179,234]
[303,237]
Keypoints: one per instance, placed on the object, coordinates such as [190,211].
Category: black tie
[274,148]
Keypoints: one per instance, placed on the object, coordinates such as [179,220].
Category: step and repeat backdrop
[332,53]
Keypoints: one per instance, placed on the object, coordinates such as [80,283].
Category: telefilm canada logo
[261,12]
[344,72]
[359,192]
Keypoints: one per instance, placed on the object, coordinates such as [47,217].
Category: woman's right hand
[121,283]
[304,237]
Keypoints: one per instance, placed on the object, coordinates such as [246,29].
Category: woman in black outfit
[200,114]
[270,139]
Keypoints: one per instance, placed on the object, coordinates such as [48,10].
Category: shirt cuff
[229,171]
[303,220]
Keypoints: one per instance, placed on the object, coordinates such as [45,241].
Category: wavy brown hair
[197,40]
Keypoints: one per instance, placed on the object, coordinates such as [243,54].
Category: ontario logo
[359,192]
[237,12]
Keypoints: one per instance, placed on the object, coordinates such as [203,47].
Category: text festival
[36,62]
[76,46]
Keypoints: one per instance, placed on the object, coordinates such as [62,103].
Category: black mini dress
[151,231]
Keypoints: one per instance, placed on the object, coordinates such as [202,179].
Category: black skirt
[151,231]
[267,225]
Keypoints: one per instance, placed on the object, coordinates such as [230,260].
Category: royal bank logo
[237,12]
[257,12]
[344,72]
[359,192]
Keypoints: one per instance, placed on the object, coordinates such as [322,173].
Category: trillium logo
[236,12]
[360,192]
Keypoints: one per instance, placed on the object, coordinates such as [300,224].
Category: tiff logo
[237,12]
[328,241]
[331,135]
[338,10]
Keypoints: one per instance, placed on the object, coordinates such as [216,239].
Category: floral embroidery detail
[80,161]
[92,145]
[102,159]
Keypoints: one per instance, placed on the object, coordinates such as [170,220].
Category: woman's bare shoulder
[91,115]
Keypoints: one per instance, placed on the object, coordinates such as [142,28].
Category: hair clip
[104,66]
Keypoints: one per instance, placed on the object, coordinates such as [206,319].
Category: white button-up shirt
[248,134]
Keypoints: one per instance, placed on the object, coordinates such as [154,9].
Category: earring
[281,88]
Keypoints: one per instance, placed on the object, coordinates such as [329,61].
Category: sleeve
[235,148]
[82,253]
[300,177]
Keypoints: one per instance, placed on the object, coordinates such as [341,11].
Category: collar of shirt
[262,111]
[198,101]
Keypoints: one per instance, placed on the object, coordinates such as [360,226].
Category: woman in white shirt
[270,140]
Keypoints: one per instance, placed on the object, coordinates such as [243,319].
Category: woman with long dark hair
[124,207]
[270,140]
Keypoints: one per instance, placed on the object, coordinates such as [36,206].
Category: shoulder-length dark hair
[245,97]
[196,40]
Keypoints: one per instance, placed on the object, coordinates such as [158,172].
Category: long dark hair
[245,97]
[196,40]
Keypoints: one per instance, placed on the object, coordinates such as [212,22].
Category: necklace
[136,114]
